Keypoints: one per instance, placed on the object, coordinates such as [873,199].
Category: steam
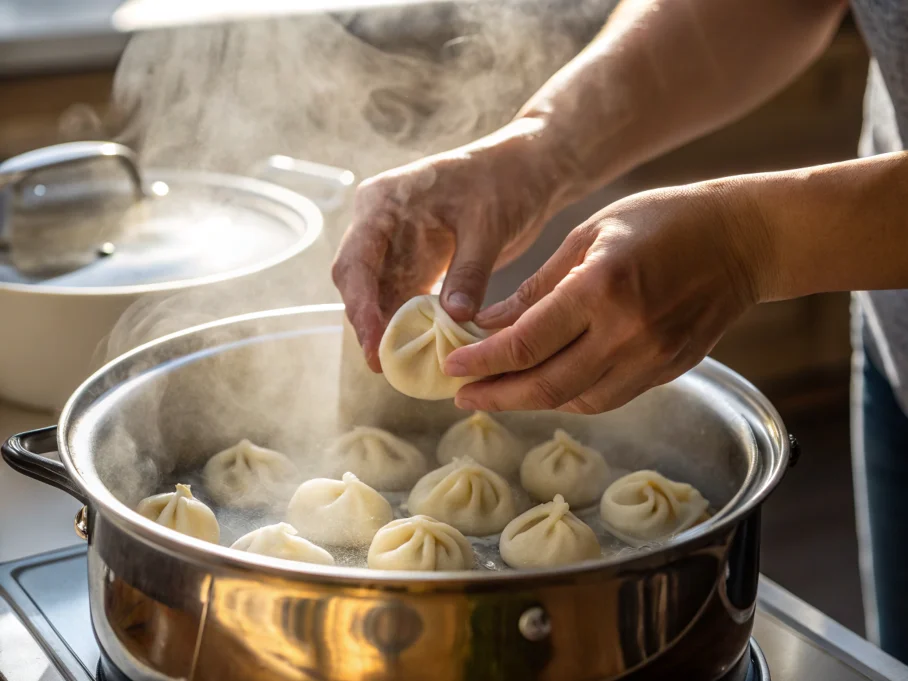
[365,91]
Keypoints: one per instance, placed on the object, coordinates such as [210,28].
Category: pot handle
[23,453]
[327,186]
[17,169]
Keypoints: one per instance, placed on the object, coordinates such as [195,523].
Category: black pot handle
[23,453]
[794,451]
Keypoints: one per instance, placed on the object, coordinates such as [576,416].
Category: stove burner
[756,670]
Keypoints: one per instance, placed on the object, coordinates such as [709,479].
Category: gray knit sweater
[884,314]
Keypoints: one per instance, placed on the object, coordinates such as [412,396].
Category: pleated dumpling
[564,466]
[416,343]
[485,440]
[646,507]
[420,543]
[249,476]
[344,512]
[378,458]
[281,541]
[472,498]
[548,535]
[182,512]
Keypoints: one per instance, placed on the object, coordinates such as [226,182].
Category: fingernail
[461,300]
[455,369]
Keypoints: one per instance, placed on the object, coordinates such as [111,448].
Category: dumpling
[472,498]
[343,512]
[420,543]
[485,440]
[182,512]
[249,476]
[546,536]
[564,466]
[280,541]
[646,507]
[416,343]
[378,458]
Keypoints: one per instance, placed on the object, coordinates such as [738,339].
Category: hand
[634,298]
[467,211]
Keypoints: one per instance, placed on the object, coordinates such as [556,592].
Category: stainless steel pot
[75,254]
[166,606]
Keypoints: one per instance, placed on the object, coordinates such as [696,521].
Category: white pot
[55,331]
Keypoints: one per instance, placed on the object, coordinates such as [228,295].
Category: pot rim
[760,481]
[299,204]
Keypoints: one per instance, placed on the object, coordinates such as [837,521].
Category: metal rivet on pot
[535,624]
[81,523]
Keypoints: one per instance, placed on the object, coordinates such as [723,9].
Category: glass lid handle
[17,169]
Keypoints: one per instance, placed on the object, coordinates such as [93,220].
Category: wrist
[750,237]
[528,153]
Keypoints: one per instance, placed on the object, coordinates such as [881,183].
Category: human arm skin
[661,72]
[642,291]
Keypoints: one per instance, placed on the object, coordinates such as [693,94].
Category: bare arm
[660,72]
[663,72]
[838,227]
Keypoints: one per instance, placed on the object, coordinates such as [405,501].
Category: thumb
[468,276]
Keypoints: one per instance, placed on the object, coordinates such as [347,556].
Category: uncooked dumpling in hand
[378,458]
[486,441]
[415,345]
[280,541]
[249,476]
[546,536]
[564,466]
[182,512]
[343,512]
[646,507]
[420,543]
[472,498]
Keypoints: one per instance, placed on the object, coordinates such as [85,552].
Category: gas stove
[46,634]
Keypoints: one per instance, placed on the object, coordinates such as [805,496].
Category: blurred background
[370,91]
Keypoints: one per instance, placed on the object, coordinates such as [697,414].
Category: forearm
[840,227]
[663,72]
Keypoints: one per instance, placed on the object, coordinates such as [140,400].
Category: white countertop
[34,517]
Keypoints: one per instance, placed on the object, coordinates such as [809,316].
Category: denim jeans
[881,478]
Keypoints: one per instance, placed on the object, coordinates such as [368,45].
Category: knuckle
[584,405]
[470,273]
[526,292]
[545,394]
[521,353]
[338,271]
[666,348]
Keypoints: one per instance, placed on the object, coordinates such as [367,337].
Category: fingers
[356,274]
[631,377]
[547,327]
[547,386]
[540,284]
[468,275]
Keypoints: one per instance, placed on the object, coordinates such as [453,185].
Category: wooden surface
[41,110]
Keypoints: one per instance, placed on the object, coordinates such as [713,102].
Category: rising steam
[366,91]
